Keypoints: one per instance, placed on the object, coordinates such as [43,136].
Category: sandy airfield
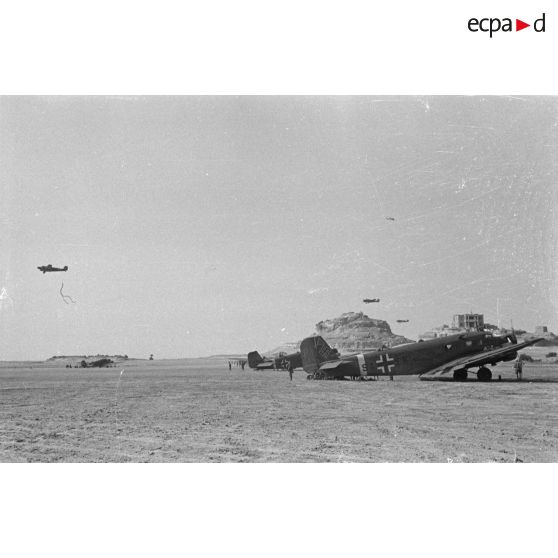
[198,411]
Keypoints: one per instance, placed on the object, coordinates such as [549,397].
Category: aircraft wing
[445,372]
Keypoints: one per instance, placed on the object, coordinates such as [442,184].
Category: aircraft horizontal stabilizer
[332,365]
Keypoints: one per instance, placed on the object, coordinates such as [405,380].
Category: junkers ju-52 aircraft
[101,363]
[281,362]
[49,268]
[443,358]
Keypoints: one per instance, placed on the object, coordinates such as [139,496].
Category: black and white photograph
[279,279]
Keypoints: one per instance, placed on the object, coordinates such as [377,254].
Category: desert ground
[195,410]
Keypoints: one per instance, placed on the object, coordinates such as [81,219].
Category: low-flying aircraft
[443,358]
[369,300]
[49,268]
[401,321]
[279,362]
[390,218]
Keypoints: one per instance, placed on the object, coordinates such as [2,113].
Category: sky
[203,225]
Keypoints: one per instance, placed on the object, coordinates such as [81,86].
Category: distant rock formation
[355,331]
[352,331]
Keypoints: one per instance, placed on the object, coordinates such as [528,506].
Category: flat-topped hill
[355,331]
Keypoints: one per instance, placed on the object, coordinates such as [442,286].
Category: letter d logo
[538,26]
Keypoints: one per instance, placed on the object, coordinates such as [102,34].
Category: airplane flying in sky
[369,300]
[279,362]
[401,321]
[49,268]
[443,358]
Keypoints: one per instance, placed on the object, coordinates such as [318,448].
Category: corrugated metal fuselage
[414,358]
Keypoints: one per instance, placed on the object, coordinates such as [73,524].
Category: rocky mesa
[355,331]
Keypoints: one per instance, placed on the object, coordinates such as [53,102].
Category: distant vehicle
[101,363]
[443,358]
[48,268]
[369,300]
[402,321]
[279,362]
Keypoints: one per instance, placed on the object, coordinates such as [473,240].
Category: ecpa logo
[492,25]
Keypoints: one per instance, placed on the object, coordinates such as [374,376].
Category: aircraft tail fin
[314,351]
[254,358]
[65,268]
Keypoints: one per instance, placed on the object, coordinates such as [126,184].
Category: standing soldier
[518,366]
[230,365]
[291,371]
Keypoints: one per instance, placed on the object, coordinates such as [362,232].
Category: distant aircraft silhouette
[402,321]
[369,300]
[101,363]
[49,268]
[277,362]
[390,218]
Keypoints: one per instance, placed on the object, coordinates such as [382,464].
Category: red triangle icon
[519,25]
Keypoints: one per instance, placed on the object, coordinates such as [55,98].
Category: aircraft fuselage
[258,362]
[414,358]
[49,268]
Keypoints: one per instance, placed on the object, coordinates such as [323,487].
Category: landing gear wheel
[460,375]
[484,374]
